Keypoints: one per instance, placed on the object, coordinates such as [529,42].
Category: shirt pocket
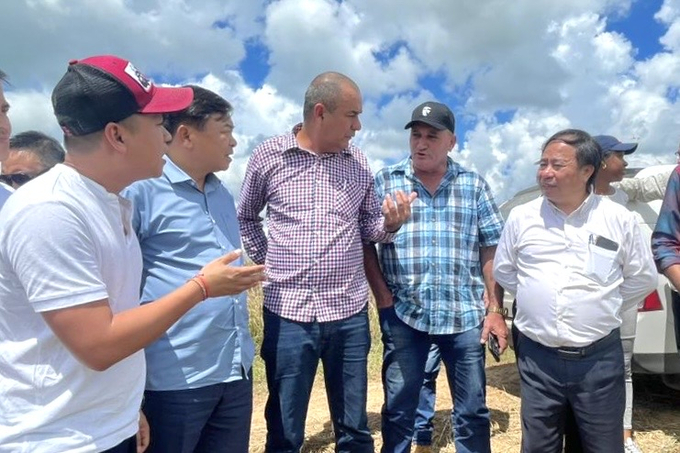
[599,263]
[348,196]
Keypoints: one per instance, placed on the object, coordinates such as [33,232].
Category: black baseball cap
[433,114]
[105,89]
[611,144]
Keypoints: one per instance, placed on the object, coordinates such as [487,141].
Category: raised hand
[222,279]
[397,210]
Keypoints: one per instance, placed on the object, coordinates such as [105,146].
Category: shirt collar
[581,211]
[290,141]
[176,175]
[453,169]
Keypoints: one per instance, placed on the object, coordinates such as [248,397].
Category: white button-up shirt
[572,274]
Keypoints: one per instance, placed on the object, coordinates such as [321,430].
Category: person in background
[31,154]
[431,283]
[320,204]
[574,261]
[199,392]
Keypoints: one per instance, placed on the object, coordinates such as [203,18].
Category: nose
[357,124]
[421,143]
[546,173]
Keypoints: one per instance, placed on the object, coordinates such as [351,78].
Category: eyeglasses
[18,179]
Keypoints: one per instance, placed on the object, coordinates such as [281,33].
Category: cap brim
[425,121]
[626,148]
[169,100]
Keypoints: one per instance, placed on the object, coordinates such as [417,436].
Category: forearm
[493,291]
[254,240]
[645,189]
[672,273]
[376,280]
[100,339]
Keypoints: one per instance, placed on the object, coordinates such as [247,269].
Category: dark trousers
[591,383]
[129,445]
[210,419]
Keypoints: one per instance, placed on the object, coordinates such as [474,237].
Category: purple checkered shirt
[319,209]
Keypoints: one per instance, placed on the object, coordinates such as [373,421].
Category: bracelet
[204,283]
[200,285]
[500,310]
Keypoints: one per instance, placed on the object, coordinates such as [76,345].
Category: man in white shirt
[71,328]
[574,260]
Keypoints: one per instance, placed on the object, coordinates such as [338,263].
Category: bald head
[327,88]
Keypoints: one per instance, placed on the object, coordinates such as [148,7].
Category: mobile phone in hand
[494,347]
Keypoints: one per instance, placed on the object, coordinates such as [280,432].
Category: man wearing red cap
[71,330]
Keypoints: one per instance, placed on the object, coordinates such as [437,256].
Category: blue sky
[513,72]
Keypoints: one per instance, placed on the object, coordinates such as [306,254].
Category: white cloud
[538,66]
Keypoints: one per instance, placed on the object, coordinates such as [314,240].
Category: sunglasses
[18,179]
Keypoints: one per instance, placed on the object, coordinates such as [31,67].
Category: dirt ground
[656,416]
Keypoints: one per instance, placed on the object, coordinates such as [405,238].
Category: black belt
[575,353]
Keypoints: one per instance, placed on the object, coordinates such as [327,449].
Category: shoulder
[526,210]
[273,145]
[611,206]
[397,170]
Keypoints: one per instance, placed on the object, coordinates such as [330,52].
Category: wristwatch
[500,310]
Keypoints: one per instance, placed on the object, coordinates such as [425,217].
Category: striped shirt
[433,268]
[319,209]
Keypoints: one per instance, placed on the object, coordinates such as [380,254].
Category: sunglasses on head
[18,179]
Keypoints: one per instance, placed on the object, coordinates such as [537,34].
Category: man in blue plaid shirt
[436,284]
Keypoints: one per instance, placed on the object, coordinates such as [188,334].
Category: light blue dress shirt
[180,229]
[4,194]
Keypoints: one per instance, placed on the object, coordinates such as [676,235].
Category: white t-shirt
[64,241]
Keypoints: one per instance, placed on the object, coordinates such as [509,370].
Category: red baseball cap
[104,89]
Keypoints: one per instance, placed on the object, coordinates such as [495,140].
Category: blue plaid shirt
[433,266]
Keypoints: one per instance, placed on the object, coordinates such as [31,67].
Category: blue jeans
[404,358]
[291,351]
[215,418]
[424,426]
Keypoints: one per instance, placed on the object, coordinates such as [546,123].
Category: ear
[587,171]
[319,110]
[114,135]
[183,135]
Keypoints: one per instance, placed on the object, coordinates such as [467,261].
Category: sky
[513,72]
